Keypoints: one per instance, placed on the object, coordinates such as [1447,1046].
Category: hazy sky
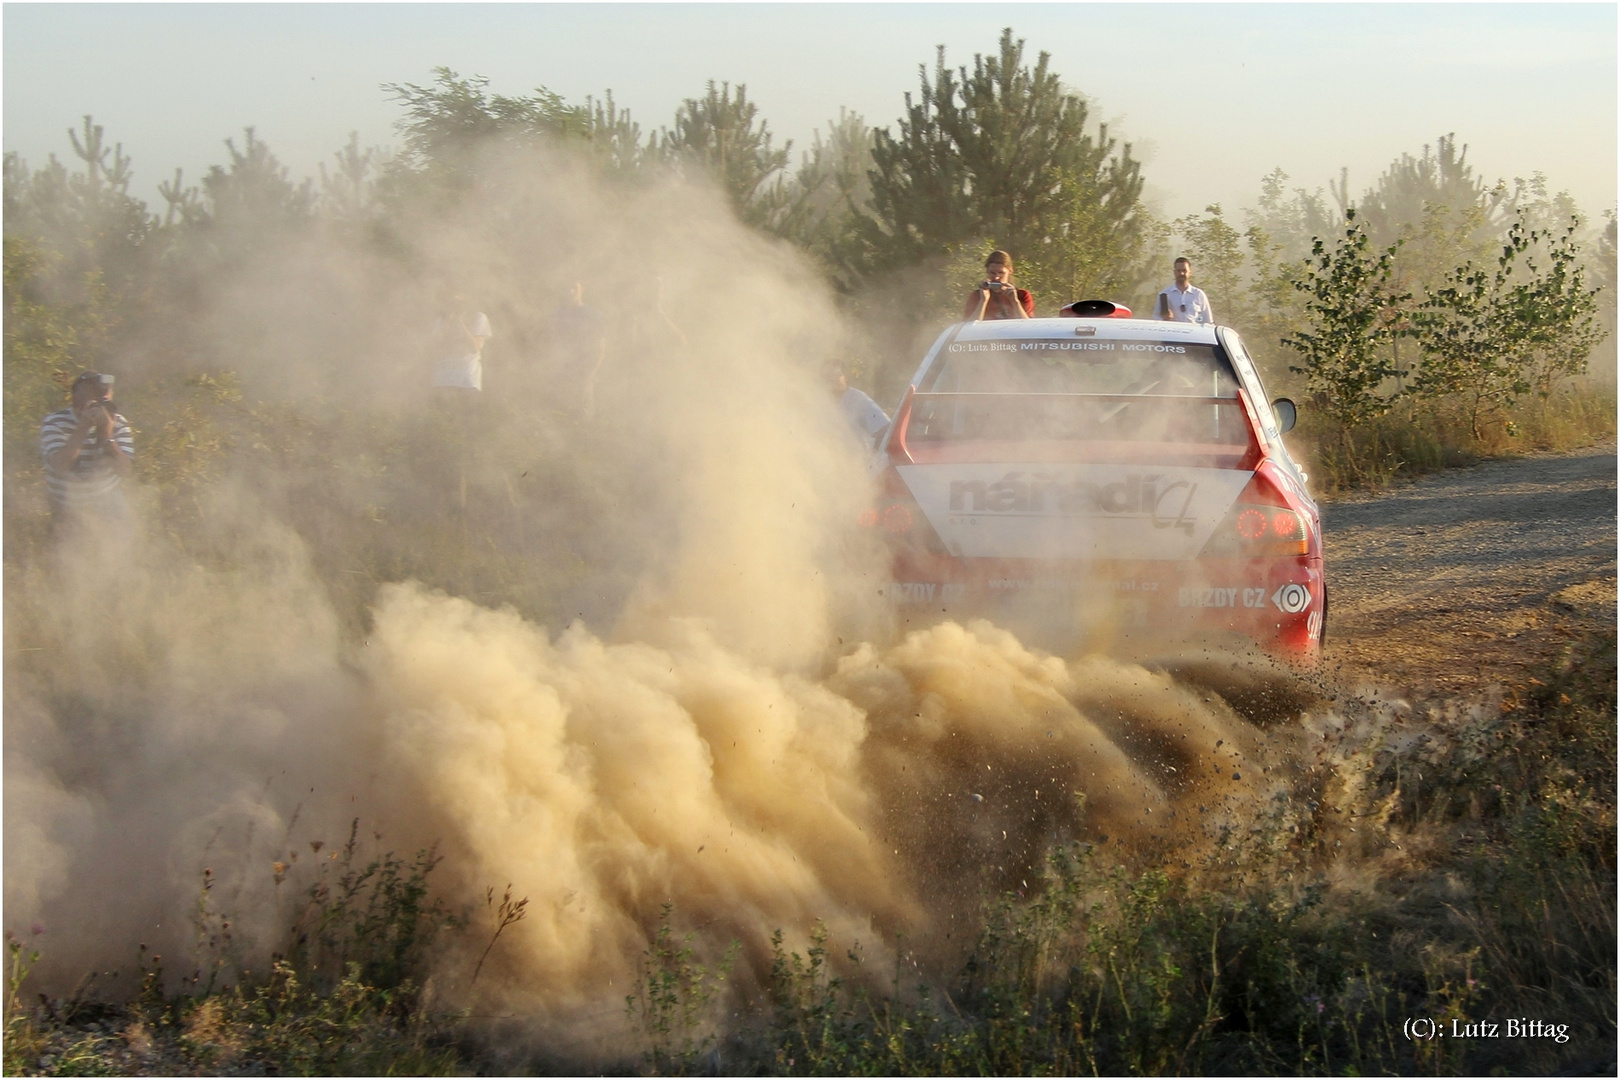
[1213,96]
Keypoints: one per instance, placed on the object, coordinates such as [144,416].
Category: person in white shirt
[459,336]
[1184,301]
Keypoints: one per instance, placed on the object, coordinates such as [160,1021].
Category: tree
[254,193]
[184,204]
[41,348]
[829,189]
[90,261]
[1444,213]
[349,191]
[1096,247]
[615,140]
[1285,222]
[1605,278]
[1494,336]
[88,217]
[1441,176]
[716,135]
[1001,153]
[449,126]
[1352,314]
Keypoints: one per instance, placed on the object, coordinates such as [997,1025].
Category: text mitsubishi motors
[1086,479]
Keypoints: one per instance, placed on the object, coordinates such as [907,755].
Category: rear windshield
[1080,390]
[1081,366]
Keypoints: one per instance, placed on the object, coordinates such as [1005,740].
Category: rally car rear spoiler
[896,444]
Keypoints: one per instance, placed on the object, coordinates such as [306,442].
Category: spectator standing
[581,342]
[458,380]
[1184,301]
[459,337]
[865,416]
[647,327]
[996,297]
[88,451]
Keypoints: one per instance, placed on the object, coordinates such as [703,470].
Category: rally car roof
[1114,329]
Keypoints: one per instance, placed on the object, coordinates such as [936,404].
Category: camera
[997,286]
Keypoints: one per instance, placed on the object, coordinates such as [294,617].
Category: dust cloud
[621,660]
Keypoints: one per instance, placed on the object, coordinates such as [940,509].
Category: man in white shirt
[460,335]
[1184,301]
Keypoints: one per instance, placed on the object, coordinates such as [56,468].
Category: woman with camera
[995,297]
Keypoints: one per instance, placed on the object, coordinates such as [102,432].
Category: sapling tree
[1353,314]
[1496,335]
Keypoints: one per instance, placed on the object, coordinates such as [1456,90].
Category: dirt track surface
[1473,576]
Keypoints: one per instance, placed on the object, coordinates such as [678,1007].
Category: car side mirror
[1283,409]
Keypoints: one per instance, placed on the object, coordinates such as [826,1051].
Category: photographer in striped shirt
[88,452]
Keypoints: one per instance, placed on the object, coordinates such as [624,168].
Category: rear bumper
[1274,603]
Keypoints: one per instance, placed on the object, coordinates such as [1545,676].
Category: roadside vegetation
[1454,862]
[1436,318]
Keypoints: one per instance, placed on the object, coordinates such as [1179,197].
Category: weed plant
[344,997]
[1456,864]
[1464,877]
[673,1000]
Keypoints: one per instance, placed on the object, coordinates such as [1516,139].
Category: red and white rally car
[1092,479]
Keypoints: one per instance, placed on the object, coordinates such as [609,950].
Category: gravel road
[1472,576]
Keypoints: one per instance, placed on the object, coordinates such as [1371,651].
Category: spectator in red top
[995,297]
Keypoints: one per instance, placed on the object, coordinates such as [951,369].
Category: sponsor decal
[1222,597]
[1067,346]
[925,592]
[1313,625]
[1147,495]
[1225,598]
[1041,584]
[1073,512]
[1292,599]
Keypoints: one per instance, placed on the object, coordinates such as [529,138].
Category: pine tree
[828,191]
[1002,153]
[717,135]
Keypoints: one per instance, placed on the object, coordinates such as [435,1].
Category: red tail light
[904,525]
[1260,524]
